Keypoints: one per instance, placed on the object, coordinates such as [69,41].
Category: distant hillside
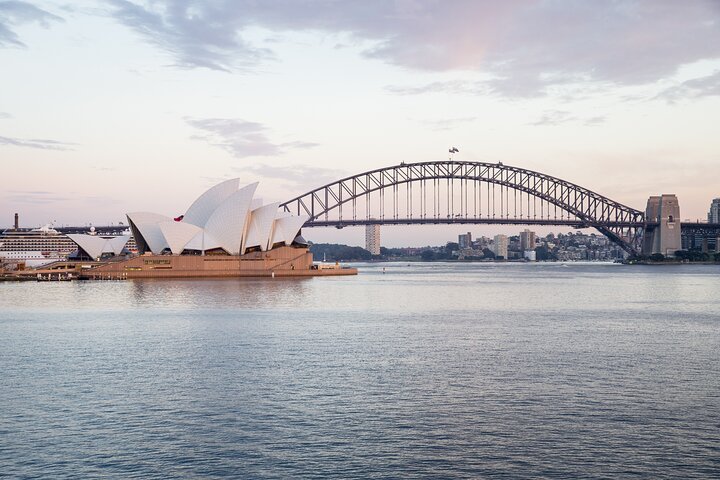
[334,252]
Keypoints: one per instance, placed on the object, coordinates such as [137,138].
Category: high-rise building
[500,246]
[714,214]
[465,240]
[372,239]
[527,240]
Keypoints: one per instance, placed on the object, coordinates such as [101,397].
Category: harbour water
[427,370]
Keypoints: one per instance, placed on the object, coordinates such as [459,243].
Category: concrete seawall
[279,262]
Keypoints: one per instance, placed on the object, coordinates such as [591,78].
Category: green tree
[542,253]
[451,247]
[427,255]
[333,252]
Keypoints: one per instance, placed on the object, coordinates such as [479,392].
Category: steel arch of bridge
[621,224]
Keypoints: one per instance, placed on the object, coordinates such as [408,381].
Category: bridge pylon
[663,232]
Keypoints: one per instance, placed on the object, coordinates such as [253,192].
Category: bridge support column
[663,238]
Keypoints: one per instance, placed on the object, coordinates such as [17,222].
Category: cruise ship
[40,246]
[35,247]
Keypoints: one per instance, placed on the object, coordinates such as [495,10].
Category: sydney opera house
[226,232]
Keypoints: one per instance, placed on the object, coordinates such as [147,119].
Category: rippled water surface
[430,370]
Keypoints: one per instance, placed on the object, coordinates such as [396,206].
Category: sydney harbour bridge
[460,192]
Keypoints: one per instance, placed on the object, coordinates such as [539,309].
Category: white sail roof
[286,228]
[95,246]
[178,234]
[202,241]
[224,217]
[117,244]
[90,244]
[277,235]
[260,226]
[202,209]
[146,224]
[146,217]
[227,222]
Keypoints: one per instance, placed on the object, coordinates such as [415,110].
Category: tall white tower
[372,239]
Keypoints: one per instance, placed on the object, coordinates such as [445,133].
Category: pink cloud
[526,45]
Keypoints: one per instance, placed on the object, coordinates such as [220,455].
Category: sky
[116,106]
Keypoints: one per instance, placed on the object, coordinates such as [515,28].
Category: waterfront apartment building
[527,240]
[372,239]
[500,246]
[714,213]
[465,240]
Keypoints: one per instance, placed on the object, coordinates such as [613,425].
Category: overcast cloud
[39,143]
[14,13]
[34,197]
[525,46]
[240,137]
[299,175]
[695,88]
[559,117]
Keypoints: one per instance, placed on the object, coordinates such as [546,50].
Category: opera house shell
[223,220]
[225,232]
[96,247]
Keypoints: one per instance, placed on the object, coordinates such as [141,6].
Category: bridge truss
[447,192]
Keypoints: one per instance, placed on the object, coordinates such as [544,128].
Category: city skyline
[112,106]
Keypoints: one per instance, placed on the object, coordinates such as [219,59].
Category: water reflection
[220,293]
[434,288]
[435,370]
